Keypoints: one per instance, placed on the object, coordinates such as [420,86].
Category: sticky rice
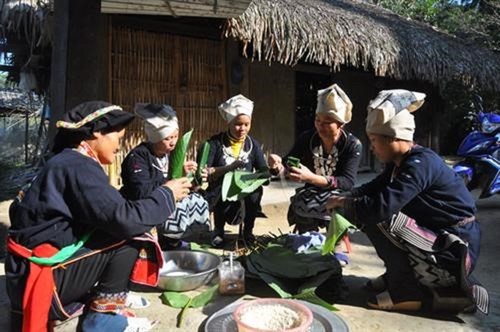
[272,317]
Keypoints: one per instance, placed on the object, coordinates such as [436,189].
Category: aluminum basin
[187,269]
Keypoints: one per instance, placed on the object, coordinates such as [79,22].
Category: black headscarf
[84,120]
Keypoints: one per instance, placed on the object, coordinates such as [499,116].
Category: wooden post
[26,135]
[59,64]
[79,56]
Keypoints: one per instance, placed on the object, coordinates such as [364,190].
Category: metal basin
[187,269]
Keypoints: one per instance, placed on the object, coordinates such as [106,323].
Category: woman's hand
[205,173]
[180,187]
[190,166]
[335,202]
[274,162]
[213,173]
[300,174]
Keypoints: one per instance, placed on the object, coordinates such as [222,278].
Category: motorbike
[480,168]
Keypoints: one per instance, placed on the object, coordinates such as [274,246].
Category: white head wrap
[333,101]
[389,113]
[160,121]
[235,106]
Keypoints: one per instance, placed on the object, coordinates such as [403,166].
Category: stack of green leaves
[238,184]
[291,274]
[178,156]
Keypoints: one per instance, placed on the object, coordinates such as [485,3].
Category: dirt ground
[364,264]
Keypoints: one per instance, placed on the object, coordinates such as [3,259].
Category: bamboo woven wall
[187,73]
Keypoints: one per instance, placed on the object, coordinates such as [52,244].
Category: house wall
[273,91]
[272,88]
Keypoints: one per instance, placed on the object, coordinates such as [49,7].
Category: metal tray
[324,320]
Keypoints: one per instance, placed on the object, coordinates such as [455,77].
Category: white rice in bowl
[273,317]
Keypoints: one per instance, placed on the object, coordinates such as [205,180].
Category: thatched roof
[343,32]
[205,8]
[28,18]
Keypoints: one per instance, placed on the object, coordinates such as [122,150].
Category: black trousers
[225,212]
[107,272]
[401,282]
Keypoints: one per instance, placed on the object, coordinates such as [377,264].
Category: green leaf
[195,246]
[180,317]
[180,300]
[202,299]
[310,296]
[337,227]
[238,184]
[312,283]
[204,158]
[178,156]
[174,299]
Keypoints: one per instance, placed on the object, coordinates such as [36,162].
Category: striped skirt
[190,212]
[438,259]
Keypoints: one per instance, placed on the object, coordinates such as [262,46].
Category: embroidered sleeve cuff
[331,182]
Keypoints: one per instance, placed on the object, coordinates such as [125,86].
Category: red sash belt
[39,286]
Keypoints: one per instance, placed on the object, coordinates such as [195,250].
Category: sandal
[383,301]
[376,285]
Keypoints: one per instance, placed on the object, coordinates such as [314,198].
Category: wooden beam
[222,9]
[179,26]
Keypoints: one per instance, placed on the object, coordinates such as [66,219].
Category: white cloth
[389,114]
[235,106]
[333,101]
[160,121]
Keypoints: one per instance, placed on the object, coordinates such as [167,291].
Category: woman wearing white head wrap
[160,121]
[230,150]
[329,160]
[147,166]
[418,213]
[389,114]
[236,106]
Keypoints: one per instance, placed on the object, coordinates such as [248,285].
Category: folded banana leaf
[238,184]
[293,275]
[178,156]
[337,228]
